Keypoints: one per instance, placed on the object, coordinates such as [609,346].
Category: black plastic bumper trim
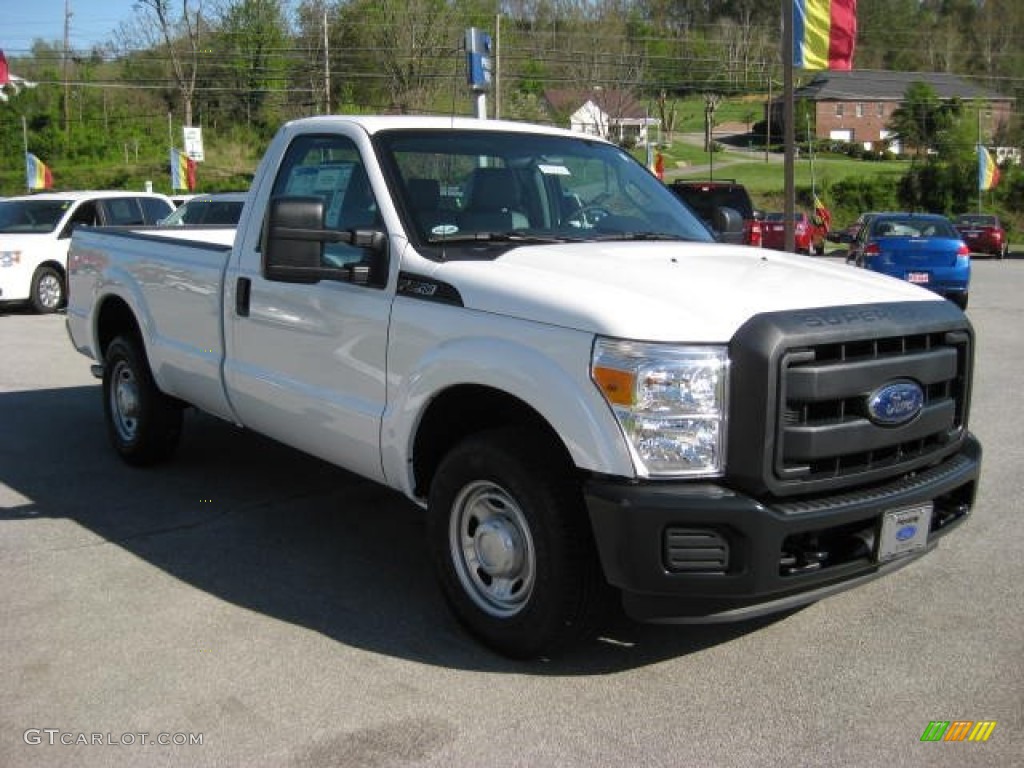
[629,521]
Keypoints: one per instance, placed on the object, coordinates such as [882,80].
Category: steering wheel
[587,216]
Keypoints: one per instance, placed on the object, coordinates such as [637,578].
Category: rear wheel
[143,423]
[48,292]
[512,544]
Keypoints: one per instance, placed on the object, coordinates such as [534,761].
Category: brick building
[856,106]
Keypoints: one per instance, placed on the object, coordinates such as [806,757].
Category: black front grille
[801,383]
[825,430]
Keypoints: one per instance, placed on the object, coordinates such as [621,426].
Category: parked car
[220,210]
[807,236]
[848,235]
[708,199]
[983,233]
[921,248]
[35,231]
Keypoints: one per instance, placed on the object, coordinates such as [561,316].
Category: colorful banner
[37,174]
[824,33]
[988,171]
[183,171]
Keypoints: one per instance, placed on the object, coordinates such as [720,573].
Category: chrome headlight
[669,401]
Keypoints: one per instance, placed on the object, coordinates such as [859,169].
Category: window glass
[36,216]
[504,188]
[331,168]
[154,209]
[123,211]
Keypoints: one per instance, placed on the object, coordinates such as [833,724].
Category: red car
[983,233]
[807,237]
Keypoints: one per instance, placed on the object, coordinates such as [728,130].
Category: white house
[610,114]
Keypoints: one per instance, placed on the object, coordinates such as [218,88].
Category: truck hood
[693,292]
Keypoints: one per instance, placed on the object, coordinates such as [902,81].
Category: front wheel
[144,424]
[512,544]
[48,293]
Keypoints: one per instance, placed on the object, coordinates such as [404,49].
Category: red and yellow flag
[824,33]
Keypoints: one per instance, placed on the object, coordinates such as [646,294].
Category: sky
[92,22]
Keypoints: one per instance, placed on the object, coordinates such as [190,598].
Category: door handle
[242,290]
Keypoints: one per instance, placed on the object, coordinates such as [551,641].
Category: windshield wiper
[500,237]
[643,236]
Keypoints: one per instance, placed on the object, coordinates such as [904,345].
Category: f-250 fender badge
[895,403]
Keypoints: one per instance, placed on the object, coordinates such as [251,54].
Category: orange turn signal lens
[619,387]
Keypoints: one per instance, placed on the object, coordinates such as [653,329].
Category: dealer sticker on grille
[904,531]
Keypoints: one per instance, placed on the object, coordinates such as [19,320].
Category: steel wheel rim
[48,291]
[492,549]
[124,401]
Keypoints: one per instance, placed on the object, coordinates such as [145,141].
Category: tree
[181,40]
[711,102]
[413,44]
[251,41]
[921,119]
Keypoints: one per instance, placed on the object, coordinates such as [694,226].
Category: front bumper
[686,552]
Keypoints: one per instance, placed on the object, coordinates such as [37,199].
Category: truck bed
[181,272]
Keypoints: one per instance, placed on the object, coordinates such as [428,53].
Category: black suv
[713,201]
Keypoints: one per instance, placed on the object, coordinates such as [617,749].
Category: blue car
[921,248]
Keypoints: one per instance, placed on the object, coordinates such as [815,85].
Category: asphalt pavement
[246,605]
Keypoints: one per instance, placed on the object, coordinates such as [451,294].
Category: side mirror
[727,221]
[293,245]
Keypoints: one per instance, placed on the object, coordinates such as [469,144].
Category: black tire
[48,290]
[960,300]
[144,424]
[513,546]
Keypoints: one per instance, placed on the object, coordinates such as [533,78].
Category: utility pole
[497,66]
[67,86]
[327,67]
[788,129]
[24,141]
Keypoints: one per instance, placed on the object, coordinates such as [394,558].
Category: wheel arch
[114,318]
[54,265]
[466,409]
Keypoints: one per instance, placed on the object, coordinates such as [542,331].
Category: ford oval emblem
[906,532]
[896,403]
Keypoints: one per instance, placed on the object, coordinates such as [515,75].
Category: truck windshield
[31,216]
[510,188]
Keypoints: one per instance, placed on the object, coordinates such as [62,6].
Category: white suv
[35,231]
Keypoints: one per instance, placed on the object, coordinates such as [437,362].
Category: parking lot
[245,605]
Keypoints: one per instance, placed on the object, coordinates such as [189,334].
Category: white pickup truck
[525,332]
